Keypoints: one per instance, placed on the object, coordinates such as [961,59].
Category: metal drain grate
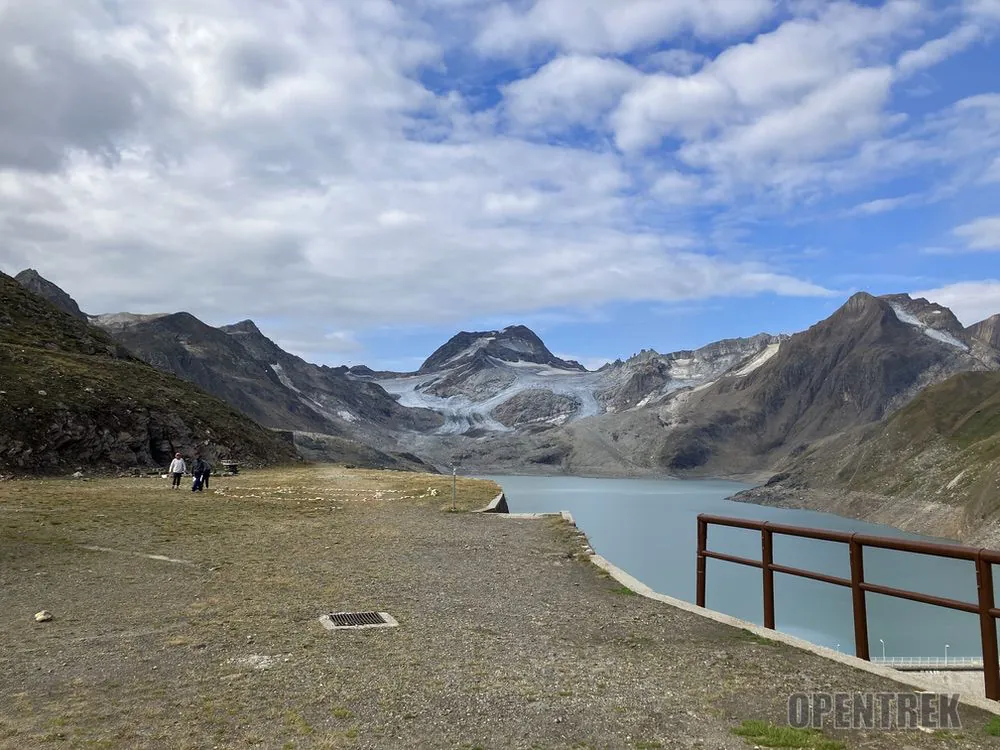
[357,620]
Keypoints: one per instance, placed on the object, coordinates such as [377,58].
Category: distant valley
[499,401]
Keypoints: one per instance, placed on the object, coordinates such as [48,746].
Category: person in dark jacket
[206,474]
[198,471]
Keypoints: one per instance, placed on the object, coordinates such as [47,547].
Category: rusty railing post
[702,546]
[767,559]
[988,627]
[858,596]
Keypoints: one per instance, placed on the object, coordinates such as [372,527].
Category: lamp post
[883,648]
[946,653]
[454,486]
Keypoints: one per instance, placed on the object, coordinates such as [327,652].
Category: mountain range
[767,406]
[71,396]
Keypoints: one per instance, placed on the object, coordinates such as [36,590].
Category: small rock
[42,393]
[43,616]
[78,475]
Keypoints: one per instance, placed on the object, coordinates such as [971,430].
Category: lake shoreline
[912,515]
[648,528]
[750,478]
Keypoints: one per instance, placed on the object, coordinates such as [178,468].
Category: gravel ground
[507,637]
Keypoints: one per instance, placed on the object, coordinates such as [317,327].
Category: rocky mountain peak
[516,343]
[244,326]
[33,281]
[861,303]
[254,341]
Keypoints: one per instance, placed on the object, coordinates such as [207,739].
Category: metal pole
[858,596]
[988,627]
[702,546]
[454,487]
[767,559]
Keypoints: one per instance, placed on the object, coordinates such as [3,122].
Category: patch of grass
[992,728]
[342,713]
[944,734]
[764,734]
[647,744]
[748,635]
[624,591]
[296,721]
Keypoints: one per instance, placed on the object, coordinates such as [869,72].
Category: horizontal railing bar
[918,597]
[936,549]
[740,523]
[953,551]
[734,559]
[811,575]
[777,528]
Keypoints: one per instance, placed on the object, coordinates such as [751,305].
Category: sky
[365,178]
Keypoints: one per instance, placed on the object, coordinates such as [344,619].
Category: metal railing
[929,661]
[982,558]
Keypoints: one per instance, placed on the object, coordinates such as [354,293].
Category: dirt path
[504,641]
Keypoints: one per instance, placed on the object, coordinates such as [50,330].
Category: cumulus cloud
[569,91]
[767,76]
[59,91]
[938,50]
[597,26]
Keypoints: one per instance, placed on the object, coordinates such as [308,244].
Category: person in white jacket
[177,469]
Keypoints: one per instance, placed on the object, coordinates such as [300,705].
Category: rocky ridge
[31,280]
[71,396]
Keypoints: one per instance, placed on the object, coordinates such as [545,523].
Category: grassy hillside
[950,429]
[932,466]
[69,395]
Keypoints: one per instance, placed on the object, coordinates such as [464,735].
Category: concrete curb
[497,505]
[911,679]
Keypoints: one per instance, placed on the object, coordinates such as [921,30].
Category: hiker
[198,470]
[177,468]
[206,475]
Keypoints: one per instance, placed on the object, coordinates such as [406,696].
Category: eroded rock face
[536,407]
